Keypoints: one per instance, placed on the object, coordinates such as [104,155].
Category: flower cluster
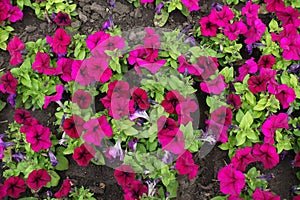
[8,83]
[10,12]
[15,48]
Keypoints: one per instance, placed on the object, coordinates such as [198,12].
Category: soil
[91,15]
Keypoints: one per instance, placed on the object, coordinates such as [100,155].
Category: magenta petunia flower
[271,124]
[76,64]
[82,74]
[215,86]
[257,84]
[73,126]
[172,99]
[152,66]
[232,31]
[166,124]
[151,39]
[184,109]
[23,117]
[258,194]
[208,27]
[285,95]
[41,62]
[266,61]
[185,165]
[222,17]
[2,192]
[138,52]
[83,154]
[8,83]
[232,181]
[97,129]
[251,12]
[234,100]
[250,67]
[185,67]
[96,38]
[62,19]
[219,131]
[14,47]
[208,64]
[56,97]
[37,179]
[191,4]
[140,97]
[297,160]
[222,115]
[289,31]
[172,140]
[64,190]
[5,6]
[39,137]
[274,5]
[64,67]
[15,14]
[135,190]
[82,99]
[291,48]
[147,1]
[255,32]
[124,175]
[288,15]
[14,186]
[266,153]
[242,158]
[111,43]
[60,41]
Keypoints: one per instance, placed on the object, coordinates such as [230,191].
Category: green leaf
[247,121]
[63,163]
[2,105]
[54,179]
[28,198]
[161,20]
[261,104]
[240,138]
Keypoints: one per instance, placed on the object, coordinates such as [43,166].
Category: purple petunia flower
[53,159]
[18,157]
[11,99]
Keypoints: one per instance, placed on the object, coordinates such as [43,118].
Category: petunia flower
[232,181]
[18,156]
[215,86]
[289,31]
[208,64]
[39,138]
[37,179]
[274,5]
[250,66]
[82,74]
[266,61]
[4,145]
[140,97]
[183,109]
[2,192]
[251,12]
[285,95]
[158,8]
[83,154]
[191,4]
[96,38]
[297,160]
[217,131]
[288,15]
[73,126]
[185,67]
[222,115]
[108,24]
[15,14]
[255,32]
[8,83]
[5,6]
[23,117]
[266,153]
[64,190]
[57,97]
[152,66]
[115,151]
[172,140]
[14,186]
[64,67]
[135,190]
[291,48]
[14,47]
[53,159]
[124,175]
[171,100]
[242,158]
[221,18]
[208,27]
[185,165]
[232,31]
[60,41]
[111,43]
[62,19]
[139,114]
[82,99]
[41,64]
[234,100]
[97,129]
[151,39]
[258,194]
[257,84]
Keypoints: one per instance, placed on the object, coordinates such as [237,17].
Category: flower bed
[130,99]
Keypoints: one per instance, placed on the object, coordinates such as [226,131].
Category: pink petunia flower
[266,154]
[64,67]
[258,194]
[95,39]
[97,129]
[234,100]
[289,31]
[2,192]
[285,95]
[208,27]
[297,160]
[5,6]
[255,32]
[208,64]
[56,97]
[42,64]
[291,48]
[222,17]
[171,100]
[60,41]
[242,158]
[266,61]
[62,19]
[274,5]
[232,181]
[222,115]
[251,12]
[288,15]
[83,154]
[15,14]
[191,4]
[250,67]
[151,39]
[39,137]
[185,165]
[257,84]
[152,66]
[183,109]
[172,140]
[8,83]
[185,67]
[140,98]
[135,190]
[82,99]
[215,86]
[73,126]
[124,175]
[14,186]
[37,179]
[23,117]
[64,190]
[232,31]
[219,131]
[14,47]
